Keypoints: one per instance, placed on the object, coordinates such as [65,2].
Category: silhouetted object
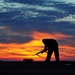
[28,60]
[50,46]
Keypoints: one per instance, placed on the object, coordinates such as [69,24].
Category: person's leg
[56,53]
[49,55]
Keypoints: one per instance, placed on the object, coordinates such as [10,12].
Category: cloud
[67,52]
[6,6]
[19,11]
[17,54]
[12,6]
[67,1]
[3,28]
[32,14]
[8,35]
[28,49]
[55,35]
[70,18]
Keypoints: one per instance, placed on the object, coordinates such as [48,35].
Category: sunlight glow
[15,51]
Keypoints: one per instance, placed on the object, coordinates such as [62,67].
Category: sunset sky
[24,23]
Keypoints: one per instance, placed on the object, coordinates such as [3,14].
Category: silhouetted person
[50,46]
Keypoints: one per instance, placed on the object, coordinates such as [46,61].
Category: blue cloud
[24,16]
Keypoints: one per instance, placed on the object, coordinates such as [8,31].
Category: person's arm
[44,50]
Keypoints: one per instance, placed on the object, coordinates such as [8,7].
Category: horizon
[24,23]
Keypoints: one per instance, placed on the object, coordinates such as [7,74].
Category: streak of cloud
[70,18]
[27,50]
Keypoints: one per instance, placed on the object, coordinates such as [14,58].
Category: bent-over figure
[50,46]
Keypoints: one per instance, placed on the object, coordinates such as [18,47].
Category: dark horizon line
[36,61]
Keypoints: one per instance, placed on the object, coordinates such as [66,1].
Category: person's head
[44,40]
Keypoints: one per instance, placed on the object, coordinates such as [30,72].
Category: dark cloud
[24,16]
[14,39]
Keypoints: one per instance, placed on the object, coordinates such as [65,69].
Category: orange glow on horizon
[27,50]
[57,36]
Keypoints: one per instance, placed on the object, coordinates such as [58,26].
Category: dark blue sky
[21,17]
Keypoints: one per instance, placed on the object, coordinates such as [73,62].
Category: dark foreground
[63,67]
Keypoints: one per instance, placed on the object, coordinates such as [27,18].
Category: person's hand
[42,51]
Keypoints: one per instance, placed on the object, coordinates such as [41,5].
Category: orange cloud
[27,50]
[55,35]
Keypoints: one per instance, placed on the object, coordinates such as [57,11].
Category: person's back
[51,44]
